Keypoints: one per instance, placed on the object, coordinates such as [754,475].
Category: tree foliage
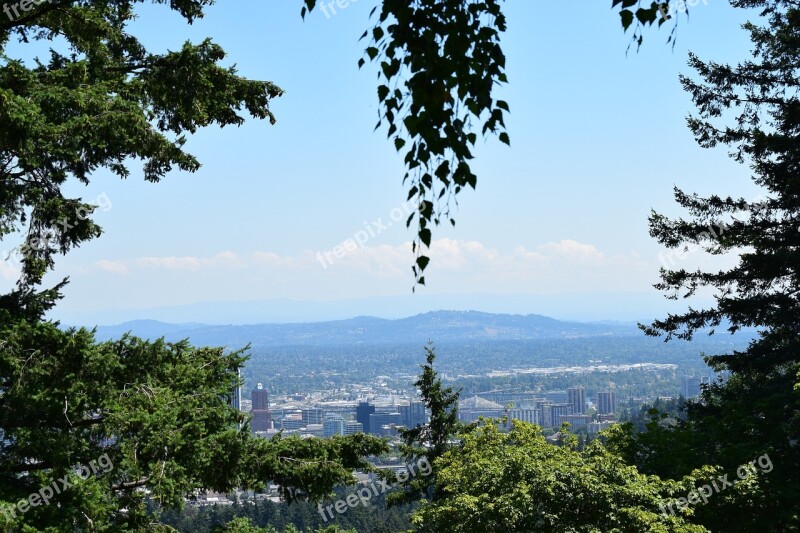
[751,108]
[431,440]
[517,481]
[155,412]
[158,415]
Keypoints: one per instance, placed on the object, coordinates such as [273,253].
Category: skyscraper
[413,414]
[262,418]
[606,403]
[235,399]
[690,386]
[363,410]
[577,397]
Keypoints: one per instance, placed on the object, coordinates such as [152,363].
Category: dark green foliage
[100,104]
[753,110]
[304,516]
[155,412]
[430,441]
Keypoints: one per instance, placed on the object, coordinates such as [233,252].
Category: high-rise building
[261,416]
[606,403]
[312,415]
[690,386]
[557,410]
[545,416]
[577,397]
[260,398]
[377,421]
[413,414]
[363,412]
[235,398]
[333,426]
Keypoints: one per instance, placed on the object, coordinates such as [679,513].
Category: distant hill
[440,326]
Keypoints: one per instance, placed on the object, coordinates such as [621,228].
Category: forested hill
[440,326]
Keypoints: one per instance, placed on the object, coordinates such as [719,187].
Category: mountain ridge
[441,326]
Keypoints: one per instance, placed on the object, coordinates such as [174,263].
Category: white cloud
[7,271]
[115,267]
[457,266]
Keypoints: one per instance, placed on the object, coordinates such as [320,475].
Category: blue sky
[598,139]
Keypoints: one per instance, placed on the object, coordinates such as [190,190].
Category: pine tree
[753,109]
[430,441]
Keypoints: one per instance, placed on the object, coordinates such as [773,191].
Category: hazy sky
[598,139]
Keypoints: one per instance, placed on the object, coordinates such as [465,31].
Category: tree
[753,109]
[85,427]
[429,441]
[88,426]
[517,481]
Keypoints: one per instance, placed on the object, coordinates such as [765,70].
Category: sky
[556,226]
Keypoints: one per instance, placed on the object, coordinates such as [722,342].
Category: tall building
[261,416]
[545,413]
[377,421]
[260,398]
[577,397]
[557,410]
[690,386]
[312,415]
[363,412]
[235,399]
[333,426]
[413,415]
[606,403]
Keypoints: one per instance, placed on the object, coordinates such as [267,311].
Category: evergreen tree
[754,110]
[430,441]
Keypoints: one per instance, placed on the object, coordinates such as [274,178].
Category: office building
[574,420]
[261,416]
[413,415]
[363,411]
[379,421]
[333,426]
[525,415]
[690,386]
[312,415]
[351,427]
[292,423]
[577,397]
[606,403]
[557,410]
